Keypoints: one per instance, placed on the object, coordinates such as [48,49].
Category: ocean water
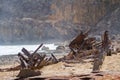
[14,49]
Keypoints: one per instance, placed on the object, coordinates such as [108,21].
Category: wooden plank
[23,58]
[37,49]
[36,57]
[26,52]
[98,61]
[77,41]
[33,58]
[41,60]
[22,63]
[54,58]
[105,41]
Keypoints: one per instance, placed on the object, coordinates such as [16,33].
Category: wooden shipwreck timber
[81,47]
[35,60]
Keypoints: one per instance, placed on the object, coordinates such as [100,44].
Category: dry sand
[110,65]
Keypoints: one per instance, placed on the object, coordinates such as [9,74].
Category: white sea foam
[14,49]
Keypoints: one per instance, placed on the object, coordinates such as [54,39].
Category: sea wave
[14,49]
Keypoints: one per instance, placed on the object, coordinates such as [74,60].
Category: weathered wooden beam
[84,53]
[98,61]
[54,58]
[49,58]
[77,41]
[41,59]
[23,58]
[37,49]
[22,63]
[33,58]
[105,41]
[36,57]
[26,52]
[42,63]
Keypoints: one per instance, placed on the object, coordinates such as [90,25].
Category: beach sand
[111,65]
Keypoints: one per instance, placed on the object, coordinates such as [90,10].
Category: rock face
[50,20]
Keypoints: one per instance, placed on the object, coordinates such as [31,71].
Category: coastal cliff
[34,21]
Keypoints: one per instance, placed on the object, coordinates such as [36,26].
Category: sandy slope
[111,65]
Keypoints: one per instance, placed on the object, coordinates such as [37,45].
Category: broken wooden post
[54,58]
[37,49]
[77,41]
[98,61]
[23,60]
[31,62]
[21,56]
[41,59]
[22,63]
[25,51]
